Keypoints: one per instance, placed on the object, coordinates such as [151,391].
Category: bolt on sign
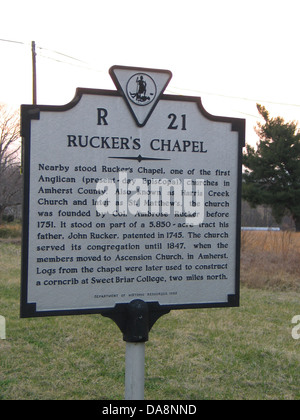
[130,194]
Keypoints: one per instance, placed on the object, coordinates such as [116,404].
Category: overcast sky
[232,53]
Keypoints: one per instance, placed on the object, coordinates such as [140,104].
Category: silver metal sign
[130,194]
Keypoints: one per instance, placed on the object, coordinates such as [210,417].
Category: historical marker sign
[130,194]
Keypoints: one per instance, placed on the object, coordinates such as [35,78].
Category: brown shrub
[271,260]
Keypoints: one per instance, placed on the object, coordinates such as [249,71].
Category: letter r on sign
[102,114]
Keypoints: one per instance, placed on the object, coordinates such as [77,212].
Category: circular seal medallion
[141,89]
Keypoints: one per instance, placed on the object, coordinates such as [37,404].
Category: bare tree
[10,178]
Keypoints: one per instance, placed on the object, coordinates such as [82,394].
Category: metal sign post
[134,371]
[135,321]
[138,319]
[132,207]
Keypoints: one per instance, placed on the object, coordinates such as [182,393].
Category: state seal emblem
[141,89]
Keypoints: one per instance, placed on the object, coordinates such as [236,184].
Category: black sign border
[32,112]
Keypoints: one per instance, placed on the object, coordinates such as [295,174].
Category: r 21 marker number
[173,125]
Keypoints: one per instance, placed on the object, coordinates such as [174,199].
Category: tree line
[10,160]
[272,169]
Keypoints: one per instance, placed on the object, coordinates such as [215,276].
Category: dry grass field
[271,260]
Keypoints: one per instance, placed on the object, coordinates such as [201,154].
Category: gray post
[137,329]
[134,371]
[135,320]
